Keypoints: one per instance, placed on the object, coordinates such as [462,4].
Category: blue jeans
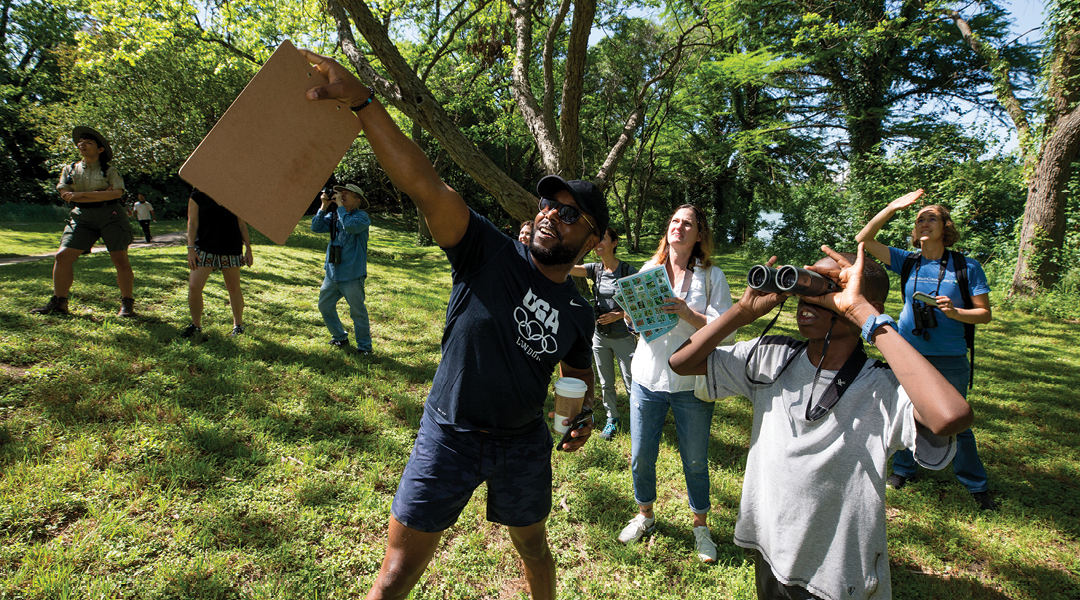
[693,420]
[967,465]
[353,292]
[605,350]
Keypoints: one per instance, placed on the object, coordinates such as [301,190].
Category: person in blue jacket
[937,330]
[346,263]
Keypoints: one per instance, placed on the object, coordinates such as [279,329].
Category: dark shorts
[87,225]
[446,466]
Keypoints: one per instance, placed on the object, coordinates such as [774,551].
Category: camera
[333,254]
[606,328]
[925,319]
[789,279]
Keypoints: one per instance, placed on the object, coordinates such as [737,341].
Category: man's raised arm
[402,160]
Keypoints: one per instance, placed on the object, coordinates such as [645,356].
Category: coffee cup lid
[571,385]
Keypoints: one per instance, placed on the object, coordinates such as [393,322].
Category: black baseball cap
[585,193]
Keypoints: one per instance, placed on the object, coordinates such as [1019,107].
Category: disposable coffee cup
[569,395]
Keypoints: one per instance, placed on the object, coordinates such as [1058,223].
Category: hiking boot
[127,307]
[610,429]
[55,306]
[984,501]
[340,343]
[192,332]
[895,481]
[706,547]
[636,528]
[237,330]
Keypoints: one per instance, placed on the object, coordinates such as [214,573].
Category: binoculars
[789,279]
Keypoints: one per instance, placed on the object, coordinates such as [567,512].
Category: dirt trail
[160,241]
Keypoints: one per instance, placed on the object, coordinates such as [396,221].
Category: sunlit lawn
[263,466]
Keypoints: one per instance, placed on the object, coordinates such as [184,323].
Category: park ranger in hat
[93,188]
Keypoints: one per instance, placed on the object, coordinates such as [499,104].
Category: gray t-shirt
[813,499]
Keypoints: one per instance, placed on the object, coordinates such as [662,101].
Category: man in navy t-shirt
[513,316]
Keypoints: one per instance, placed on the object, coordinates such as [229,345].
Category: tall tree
[552,120]
[1048,152]
[874,68]
[32,33]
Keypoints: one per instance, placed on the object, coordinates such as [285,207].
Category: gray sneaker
[636,528]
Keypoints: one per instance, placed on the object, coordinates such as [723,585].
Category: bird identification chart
[642,295]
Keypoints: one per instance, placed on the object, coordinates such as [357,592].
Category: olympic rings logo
[533,331]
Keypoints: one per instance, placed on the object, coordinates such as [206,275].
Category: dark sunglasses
[567,214]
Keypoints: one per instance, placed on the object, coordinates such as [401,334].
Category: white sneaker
[637,527]
[706,549]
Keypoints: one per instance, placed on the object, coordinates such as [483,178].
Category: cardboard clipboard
[271,153]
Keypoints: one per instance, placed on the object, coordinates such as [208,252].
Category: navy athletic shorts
[446,466]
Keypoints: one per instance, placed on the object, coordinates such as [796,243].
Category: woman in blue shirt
[936,331]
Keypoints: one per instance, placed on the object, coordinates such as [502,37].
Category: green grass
[135,466]
[36,239]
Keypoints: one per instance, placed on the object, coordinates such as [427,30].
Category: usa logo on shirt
[538,324]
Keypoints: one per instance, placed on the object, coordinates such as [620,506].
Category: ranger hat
[78,133]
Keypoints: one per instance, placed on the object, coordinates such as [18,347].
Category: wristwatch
[872,323]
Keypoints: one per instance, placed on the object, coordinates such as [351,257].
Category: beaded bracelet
[363,105]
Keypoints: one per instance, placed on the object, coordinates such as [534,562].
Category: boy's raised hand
[849,276]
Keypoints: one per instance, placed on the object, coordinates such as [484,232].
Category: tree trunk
[409,95]
[1043,229]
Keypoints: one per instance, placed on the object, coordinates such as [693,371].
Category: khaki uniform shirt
[88,178]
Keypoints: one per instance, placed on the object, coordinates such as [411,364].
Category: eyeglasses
[567,214]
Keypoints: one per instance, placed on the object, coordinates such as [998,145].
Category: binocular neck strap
[941,272]
[840,383]
[753,351]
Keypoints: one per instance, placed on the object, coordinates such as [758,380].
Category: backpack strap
[960,265]
[905,273]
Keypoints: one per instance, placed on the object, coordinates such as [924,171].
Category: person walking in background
[701,295]
[936,326]
[612,338]
[144,212]
[216,240]
[94,188]
[345,264]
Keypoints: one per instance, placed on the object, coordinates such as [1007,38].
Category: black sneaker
[365,353]
[237,330]
[340,343]
[191,332]
[984,501]
[55,306]
[895,481]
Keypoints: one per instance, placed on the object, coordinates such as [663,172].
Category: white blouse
[650,365]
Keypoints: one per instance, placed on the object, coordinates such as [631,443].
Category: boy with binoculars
[826,419]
